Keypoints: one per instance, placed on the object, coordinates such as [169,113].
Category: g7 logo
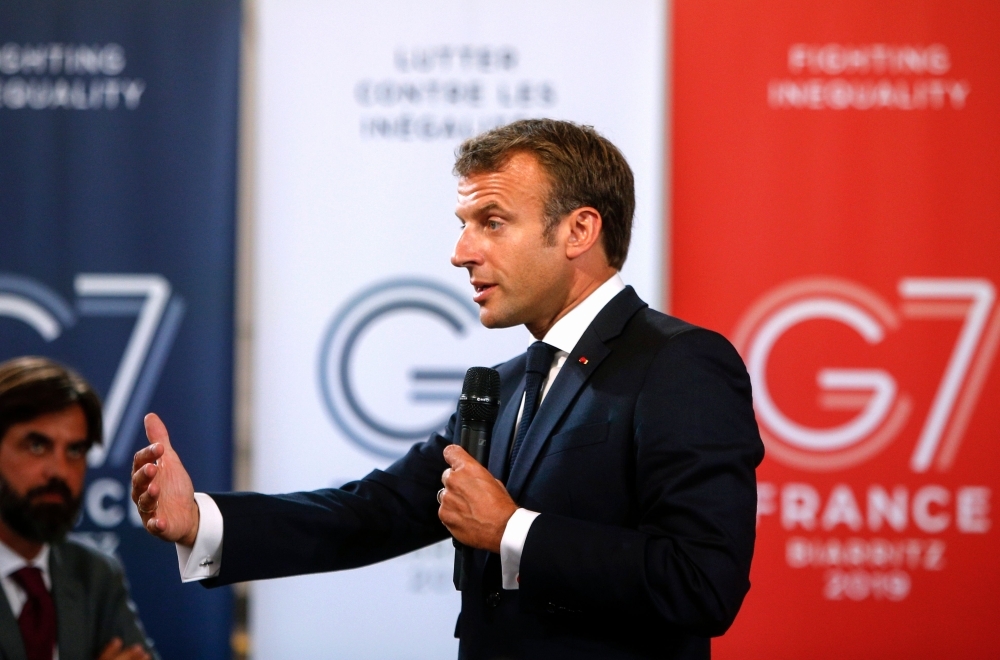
[387,424]
[158,316]
[883,408]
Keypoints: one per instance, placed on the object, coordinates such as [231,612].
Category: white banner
[362,328]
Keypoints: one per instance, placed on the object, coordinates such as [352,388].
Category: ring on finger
[147,511]
[440,495]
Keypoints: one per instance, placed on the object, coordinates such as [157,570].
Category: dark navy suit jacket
[641,462]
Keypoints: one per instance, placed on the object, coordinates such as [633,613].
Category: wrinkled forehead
[521,180]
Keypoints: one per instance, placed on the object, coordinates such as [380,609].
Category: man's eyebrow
[488,207]
[35,436]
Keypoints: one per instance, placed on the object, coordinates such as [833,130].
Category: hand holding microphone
[474,506]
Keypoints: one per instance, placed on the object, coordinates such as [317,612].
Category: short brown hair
[32,386]
[585,169]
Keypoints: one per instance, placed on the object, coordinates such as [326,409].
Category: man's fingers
[159,442]
[144,468]
[146,455]
[156,431]
[134,652]
[147,504]
[111,650]
[156,526]
[141,480]
[460,459]
[456,456]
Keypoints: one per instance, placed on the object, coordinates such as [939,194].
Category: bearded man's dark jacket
[92,606]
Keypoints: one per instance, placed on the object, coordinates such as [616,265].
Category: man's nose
[466,249]
[58,465]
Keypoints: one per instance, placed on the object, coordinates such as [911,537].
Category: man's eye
[76,452]
[37,447]
[493,225]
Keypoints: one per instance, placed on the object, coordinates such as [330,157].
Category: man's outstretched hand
[475,507]
[162,489]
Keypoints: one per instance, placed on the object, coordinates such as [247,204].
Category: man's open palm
[162,489]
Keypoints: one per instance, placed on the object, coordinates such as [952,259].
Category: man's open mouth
[482,290]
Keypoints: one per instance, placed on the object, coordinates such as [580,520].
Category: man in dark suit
[616,517]
[59,595]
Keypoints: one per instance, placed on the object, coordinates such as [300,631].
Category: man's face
[519,274]
[42,466]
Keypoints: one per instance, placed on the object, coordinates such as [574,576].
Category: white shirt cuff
[512,545]
[205,558]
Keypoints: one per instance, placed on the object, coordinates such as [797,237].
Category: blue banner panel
[118,129]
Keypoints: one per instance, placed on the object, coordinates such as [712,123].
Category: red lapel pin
[583,360]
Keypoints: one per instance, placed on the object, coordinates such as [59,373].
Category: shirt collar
[566,332]
[10,561]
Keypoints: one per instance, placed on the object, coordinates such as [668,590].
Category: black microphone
[478,407]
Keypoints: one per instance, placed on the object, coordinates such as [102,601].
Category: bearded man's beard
[42,522]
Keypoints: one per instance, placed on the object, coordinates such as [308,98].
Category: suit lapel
[11,645]
[585,358]
[70,607]
[571,378]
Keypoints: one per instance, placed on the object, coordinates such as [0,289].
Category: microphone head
[480,398]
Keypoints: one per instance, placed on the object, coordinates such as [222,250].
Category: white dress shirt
[205,558]
[10,563]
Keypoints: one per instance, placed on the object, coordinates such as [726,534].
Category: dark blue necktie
[537,368]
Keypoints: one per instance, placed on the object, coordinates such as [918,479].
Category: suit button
[493,599]
[550,608]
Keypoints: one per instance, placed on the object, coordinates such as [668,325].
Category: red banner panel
[836,214]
